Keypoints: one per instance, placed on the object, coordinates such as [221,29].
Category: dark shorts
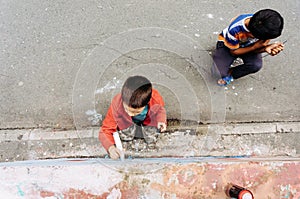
[223,59]
[138,132]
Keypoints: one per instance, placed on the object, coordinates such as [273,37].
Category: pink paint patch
[128,191]
[187,177]
[75,194]
[45,194]
[289,174]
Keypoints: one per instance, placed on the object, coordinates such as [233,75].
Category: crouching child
[137,112]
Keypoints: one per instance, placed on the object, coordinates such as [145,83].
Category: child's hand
[114,153]
[274,49]
[162,126]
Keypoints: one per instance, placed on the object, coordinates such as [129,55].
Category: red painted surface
[210,180]
[45,194]
[127,191]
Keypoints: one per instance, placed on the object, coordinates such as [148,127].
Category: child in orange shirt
[138,104]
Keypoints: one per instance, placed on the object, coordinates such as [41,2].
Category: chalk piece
[118,144]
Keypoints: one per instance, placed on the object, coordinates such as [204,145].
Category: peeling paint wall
[148,178]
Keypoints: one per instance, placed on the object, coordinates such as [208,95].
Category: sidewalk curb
[215,140]
[223,129]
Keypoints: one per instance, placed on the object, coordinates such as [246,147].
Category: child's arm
[161,116]
[257,47]
[109,126]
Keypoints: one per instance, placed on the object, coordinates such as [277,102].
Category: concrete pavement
[63,61]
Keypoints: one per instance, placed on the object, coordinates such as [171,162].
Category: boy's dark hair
[136,91]
[266,24]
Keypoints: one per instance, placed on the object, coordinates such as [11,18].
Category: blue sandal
[226,79]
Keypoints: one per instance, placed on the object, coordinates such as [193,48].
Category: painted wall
[148,178]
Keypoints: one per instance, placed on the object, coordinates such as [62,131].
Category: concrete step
[218,140]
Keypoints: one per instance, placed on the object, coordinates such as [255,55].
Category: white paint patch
[6,194]
[109,86]
[21,83]
[216,33]
[94,179]
[211,16]
[95,117]
[90,112]
[197,35]
[221,18]
[115,194]
[250,89]
[214,185]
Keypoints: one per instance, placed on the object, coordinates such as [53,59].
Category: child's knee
[253,66]
[256,67]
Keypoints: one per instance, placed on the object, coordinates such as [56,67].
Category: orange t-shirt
[117,118]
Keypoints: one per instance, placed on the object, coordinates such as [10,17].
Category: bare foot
[221,82]
[225,80]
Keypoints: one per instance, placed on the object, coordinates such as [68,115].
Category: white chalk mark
[109,86]
[95,117]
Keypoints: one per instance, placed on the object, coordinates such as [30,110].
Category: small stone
[211,16]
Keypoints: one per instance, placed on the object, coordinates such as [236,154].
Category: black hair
[266,24]
[136,91]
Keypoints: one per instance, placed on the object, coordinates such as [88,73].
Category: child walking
[131,112]
[246,37]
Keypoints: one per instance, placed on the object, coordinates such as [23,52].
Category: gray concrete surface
[256,140]
[62,61]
